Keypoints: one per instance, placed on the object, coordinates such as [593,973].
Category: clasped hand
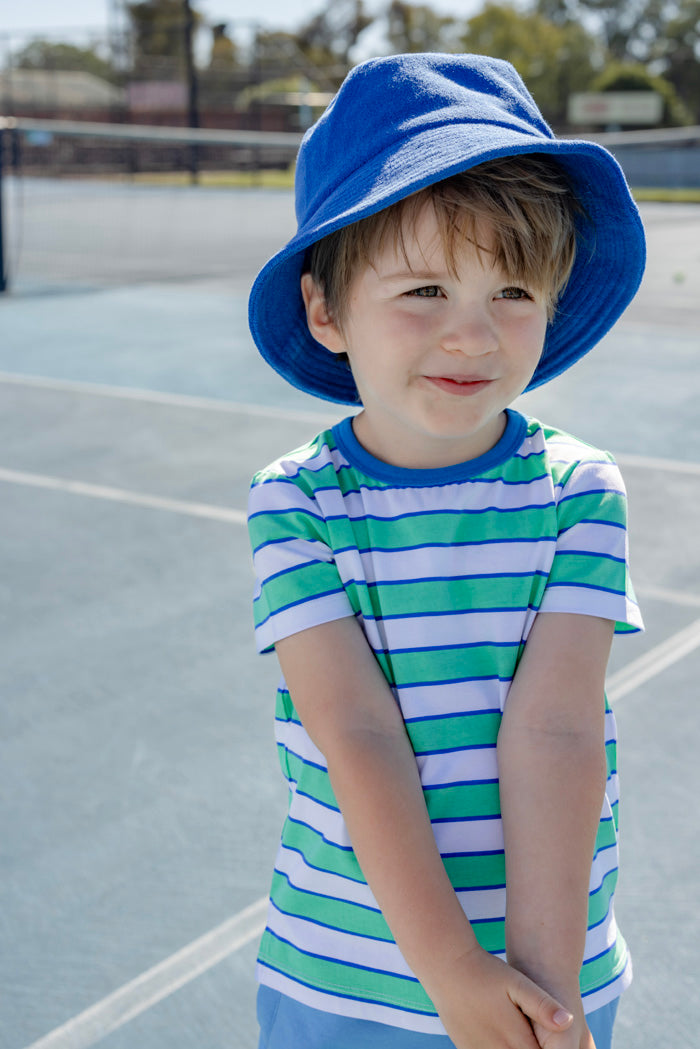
[486,1004]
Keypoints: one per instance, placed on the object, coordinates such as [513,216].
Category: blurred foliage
[157,29]
[42,54]
[553,59]
[224,53]
[558,46]
[416,27]
[633,76]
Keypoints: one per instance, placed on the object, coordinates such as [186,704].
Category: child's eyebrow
[406,273]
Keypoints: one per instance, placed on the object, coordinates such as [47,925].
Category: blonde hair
[525,200]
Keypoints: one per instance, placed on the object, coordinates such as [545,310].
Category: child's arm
[551,754]
[350,713]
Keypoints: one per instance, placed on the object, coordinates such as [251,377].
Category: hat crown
[384,100]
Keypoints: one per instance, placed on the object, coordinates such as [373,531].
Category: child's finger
[540,1007]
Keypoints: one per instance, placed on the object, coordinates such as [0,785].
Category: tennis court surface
[141,795]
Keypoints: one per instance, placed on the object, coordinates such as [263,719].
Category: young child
[441,576]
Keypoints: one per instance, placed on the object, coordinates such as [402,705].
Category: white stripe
[355,949]
[456,628]
[482,559]
[121,495]
[175,400]
[293,865]
[158,982]
[654,662]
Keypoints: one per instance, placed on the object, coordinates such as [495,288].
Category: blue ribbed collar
[513,436]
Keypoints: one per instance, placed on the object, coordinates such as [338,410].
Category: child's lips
[460,386]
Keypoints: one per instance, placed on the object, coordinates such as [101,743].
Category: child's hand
[485,1004]
[577,1036]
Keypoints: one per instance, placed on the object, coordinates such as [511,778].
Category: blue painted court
[141,796]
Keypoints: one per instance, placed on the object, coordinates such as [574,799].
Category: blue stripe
[321,870]
[420,649]
[458,578]
[464,819]
[471,853]
[452,681]
[340,961]
[319,834]
[479,888]
[452,611]
[282,512]
[459,783]
[570,584]
[595,554]
[339,994]
[455,750]
[461,512]
[614,979]
[323,895]
[444,546]
[304,794]
[591,491]
[610,874]
[594,521]
[456,714]
[334,928]
[293,604]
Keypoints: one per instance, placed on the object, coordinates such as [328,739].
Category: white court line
[654,661]
[648,462]
[159,982]
[663,593]
[214,404]
[121,495]
[175,400]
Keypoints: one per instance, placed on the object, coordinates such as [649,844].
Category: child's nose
[469,333]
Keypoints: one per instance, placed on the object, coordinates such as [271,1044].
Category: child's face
[436,357]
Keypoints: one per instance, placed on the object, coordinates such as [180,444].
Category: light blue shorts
[286,1024]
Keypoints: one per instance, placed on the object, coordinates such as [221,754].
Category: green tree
[330,36]
[320,48]
[633,76]
[663,35]
[158,33]
[553,59]
[677,51]
[416,27]
[224,55]
[44,54]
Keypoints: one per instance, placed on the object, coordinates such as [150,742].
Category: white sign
[616,107]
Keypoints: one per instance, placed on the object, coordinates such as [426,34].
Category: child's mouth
[459,387]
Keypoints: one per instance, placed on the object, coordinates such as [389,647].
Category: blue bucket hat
[401,123]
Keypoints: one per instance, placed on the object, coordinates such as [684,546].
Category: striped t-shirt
[445,570]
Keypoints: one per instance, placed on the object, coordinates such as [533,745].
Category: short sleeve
[297,581]
[590,570]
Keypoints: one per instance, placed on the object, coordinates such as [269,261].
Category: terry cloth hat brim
[402,123]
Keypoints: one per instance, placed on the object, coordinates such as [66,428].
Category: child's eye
[513,293]
[430,291]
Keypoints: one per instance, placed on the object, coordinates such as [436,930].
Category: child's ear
[321,324]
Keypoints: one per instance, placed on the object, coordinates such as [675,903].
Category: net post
[3,270]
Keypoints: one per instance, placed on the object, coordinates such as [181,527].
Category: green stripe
[476,872]
[336,914]
[330,976]
[604,969]
[480,800]
[454,664]
[425,529]
[441,733]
